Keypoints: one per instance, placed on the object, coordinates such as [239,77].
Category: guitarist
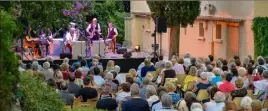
[112,34]
[94,30]
[70,38]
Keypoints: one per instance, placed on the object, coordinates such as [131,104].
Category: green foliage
[8,61]
[177,12]
[110,11]
[260,30]
[86,109]
[37,96]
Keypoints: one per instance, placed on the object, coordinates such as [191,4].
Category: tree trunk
[174,41]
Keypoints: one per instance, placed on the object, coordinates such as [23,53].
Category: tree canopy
[178,14]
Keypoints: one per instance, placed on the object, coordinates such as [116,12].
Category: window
[218,31]
[201,30]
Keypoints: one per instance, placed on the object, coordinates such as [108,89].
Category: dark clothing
[202,86]
[73,88]
[111,33]
[169,74]
[239,93]
[189,68]
[96,35]
[67,97]
[87,93]
[136,104]
[146,69]
[116,82]
[107,103]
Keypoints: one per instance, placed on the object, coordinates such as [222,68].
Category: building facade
[223,29]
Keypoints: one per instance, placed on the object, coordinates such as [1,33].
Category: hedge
[260,30]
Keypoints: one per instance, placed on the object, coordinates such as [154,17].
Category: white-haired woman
[151,95]
[242,74]
[203,82]
[168,72]
[219,98]
[196,107]
[48,72]
[109,80]
[58,78]
[217,78]
[166,103]
[246,104]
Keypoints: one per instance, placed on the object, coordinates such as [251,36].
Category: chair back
[250,93]
[90,103]
[171,80]
[180,78]
[202,94]
[191,85]
[237,101]
[153,73]
[265,104]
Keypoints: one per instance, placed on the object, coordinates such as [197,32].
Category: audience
[136,103]
[106,102]
[138,91]
[88,91]
[67,97]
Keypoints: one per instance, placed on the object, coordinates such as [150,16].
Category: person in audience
[65,71]
[218,64]
[189,98]
[219,98]
[136,103]
[144,85]
[135,77]
[96,57]
[182,106]
[84,67]
[151,95]
[187,60]
[96,63]
[147,68]
[217,78]
[78,77]
[121,77]
[203,83]
[20,66]
[211,92]
[58,78]
[88,91]
[246,104]
[196,107]
[73,88]
[97,78]
[230,106]
[106,102]
[245,62]
[240,91]
[50,60]
[191,77]
[48,72]
[143,64]
[256,105]
[179,69]
[261,62]
[39,67]
[242,74]
[209,70]
[114,76]
[124,92]
[109,80]
[261,85]
[181,62]
[160,63]
[66,60]
[226,86]
[110,65]
[168,72]
[171,89]
[237,63]
[157,105]
[35,72]
[166,103]
[79,58]
[67,97]
[193,63]
[130,80]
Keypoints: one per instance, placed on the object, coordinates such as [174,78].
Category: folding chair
[202,94]
[237,101]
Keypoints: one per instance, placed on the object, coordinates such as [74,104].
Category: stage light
[137,48]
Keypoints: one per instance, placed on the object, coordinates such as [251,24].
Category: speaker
[161,24]
[64,55]
[127,55]
[121,50]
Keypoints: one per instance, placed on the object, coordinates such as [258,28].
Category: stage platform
[125,64]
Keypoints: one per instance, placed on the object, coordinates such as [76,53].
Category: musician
[32,43]
[112,34]
[44,42]
[94,30]
[70,38]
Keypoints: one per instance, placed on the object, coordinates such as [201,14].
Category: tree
[178,14]
[9,74]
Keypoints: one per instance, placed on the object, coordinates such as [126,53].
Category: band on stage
[40,43]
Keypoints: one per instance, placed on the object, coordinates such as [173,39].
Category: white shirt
[89,26]
[85,70]
[70,38]
[98,80]
[121,96]
[121,78]
[21,69]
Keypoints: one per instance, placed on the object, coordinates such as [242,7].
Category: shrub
[260,30]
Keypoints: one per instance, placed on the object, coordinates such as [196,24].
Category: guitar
[50,38]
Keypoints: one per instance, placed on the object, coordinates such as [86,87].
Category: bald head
[94,20]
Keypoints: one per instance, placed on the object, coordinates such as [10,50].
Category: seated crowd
[181,84]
